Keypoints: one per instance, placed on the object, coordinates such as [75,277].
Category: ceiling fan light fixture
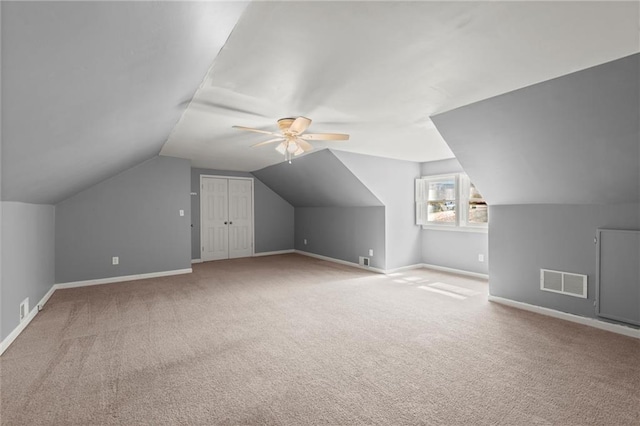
[282,148]
[292,137]
[292,147]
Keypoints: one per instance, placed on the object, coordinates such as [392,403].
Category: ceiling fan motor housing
[285,123]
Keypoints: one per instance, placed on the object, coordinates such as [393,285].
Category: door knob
[225,223]
[230,223]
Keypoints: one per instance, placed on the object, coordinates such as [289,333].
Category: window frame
[462,184]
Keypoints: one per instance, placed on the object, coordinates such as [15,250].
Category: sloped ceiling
[318,179]
[378,70]
[571,140]
[92,88]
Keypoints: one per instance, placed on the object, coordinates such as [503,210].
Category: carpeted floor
[294,340]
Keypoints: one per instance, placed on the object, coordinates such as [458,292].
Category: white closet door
[214,208]
[240,218]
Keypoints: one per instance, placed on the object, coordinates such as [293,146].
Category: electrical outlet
[370,252]
[24,309]
[481,258]
[363,261]
[305,241]
[181,212]
[115,260]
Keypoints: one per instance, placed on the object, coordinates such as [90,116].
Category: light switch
[181,212]
[115,260]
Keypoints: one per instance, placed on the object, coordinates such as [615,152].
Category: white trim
[404,268]
[46,298]
[25,322]
[395,270]
[456,271]
[592,322]
[123,278]
[272,253]
[196,261]
[340,261]
[16,331]
[253,208]
[474,229]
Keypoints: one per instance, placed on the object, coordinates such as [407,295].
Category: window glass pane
[478,212]
[442,201]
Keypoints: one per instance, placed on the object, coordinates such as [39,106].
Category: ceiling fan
[293,140]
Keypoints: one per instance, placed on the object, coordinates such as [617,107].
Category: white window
[450,202]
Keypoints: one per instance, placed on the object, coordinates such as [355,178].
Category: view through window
[450,201]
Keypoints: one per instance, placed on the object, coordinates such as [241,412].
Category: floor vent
[563,283]
[364,261]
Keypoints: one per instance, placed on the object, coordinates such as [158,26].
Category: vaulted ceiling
[92,88]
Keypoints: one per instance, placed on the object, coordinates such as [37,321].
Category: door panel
[226,211]
[214,213]
[240,217]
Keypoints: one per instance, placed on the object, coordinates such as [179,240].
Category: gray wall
[318,179]
[570,140]
[392,182]
[342,232]
[453,249]
[526,238]
[273,220]
[133,215]
[28,259]
[456,249]
[334,210]
[555,161]
[117,74]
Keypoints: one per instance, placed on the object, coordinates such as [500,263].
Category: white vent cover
[563,283]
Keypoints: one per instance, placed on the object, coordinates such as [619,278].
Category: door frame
[253,214]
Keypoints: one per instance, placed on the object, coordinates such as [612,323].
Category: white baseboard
[25,322]
[196,261]
[123,278]
[404,268]
[592,322]
[272,253]
[340,261]
[395,270]
[456,271]
[16,331]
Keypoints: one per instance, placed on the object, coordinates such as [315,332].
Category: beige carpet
[294,340]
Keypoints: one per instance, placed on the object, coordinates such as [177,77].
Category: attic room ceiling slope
[571,140]
[318,179]
[378,70]
[92,88]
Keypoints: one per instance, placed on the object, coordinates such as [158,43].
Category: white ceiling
[378,70]
[90,89]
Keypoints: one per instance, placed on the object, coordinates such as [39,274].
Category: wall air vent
[563,283]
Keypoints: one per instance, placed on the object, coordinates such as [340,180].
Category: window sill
[473,229]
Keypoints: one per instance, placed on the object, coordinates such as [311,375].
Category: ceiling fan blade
[304,145]
[325,137]
[256,130]
[267,142]
[299,125]
[282,148]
